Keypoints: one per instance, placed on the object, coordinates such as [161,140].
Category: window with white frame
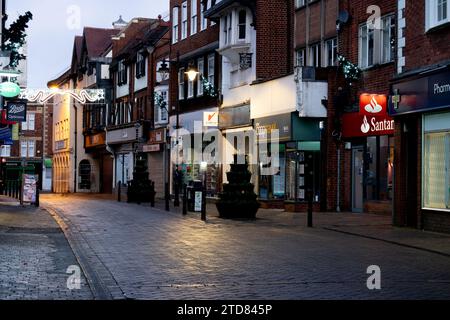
[300,3]
[204,21]
[122,74]
[161,106]
[300,57]
[190,88]
[242,24]
[227,27]
[27,148]
[376,46]
[184,20]
[331,53]
[193,17]
[5,151]
[175,19]
[211,69]
[181,84]
[140,66]
[437,13]
[201,71]
[29,125]
[314,55]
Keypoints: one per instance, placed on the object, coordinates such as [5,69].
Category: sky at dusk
[56,22]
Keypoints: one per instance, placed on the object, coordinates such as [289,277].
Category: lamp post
[164,70]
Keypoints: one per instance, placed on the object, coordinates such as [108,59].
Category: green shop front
[12,171]
[299,161]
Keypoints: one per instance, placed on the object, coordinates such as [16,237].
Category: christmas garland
[160,101]
[208,87]
[351,71]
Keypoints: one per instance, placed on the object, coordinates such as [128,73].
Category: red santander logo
[373,105]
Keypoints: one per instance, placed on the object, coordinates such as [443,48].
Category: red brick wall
[419,44]
[274,39]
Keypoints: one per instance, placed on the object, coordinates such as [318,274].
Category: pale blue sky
[50,39]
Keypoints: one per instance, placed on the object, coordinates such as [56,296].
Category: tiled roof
[98,40]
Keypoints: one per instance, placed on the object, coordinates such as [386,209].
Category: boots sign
[16,111]
[372,119]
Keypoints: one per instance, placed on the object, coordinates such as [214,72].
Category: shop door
[107,175]
[358,180]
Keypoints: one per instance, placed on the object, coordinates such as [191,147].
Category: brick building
[359,135]
[195,40]
[130,116]
[420,105]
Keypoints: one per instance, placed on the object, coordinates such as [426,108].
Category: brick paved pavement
[34,256]
[145,253]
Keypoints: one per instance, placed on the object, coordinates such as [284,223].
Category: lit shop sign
[372,119]
[421,95]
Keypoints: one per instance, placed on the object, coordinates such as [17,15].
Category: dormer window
[140,66]
[122,74]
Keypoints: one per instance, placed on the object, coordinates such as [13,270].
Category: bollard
[167,197]
[176,202]
[119,192]
[184,199]
[204,204]
[37,198]
[310,209]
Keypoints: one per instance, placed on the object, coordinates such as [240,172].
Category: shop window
[379,162]
[272,186]
[85,175]
[436,170]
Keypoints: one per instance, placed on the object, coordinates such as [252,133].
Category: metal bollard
[310,209]
[167,197]
[204,204]
[37,198]
[119,192]
[184,199]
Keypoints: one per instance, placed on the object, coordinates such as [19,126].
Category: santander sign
[372,119]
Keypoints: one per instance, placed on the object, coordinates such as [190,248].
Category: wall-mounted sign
[234,117]
[157,136]
[61,145]
[152,148]
[9,89]
[15,132]
[421,95]
[16,111]
[5,134]
[245,60]
[282,123]
[373,104]
[95,140]
[356,125]
[211,119]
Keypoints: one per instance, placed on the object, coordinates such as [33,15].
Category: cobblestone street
[141,253]
[34,257]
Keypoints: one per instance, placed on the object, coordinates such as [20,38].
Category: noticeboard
[29,188]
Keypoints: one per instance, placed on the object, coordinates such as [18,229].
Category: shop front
[199,127]
[299,150]
[95,146]
[370,145]
[155,155]
[421,107]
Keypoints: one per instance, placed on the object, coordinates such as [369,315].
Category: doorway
[358,179]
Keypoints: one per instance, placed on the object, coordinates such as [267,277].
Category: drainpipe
[338,195]
[76,149]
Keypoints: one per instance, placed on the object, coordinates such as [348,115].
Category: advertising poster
[29,188]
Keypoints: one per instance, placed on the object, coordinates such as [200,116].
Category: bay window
[201,71]
[181,84]
[211,68]
[242,24]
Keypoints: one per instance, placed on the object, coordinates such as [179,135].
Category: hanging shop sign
[421,95]
[9,89]
[5,134]
[372,119]
[16,111]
